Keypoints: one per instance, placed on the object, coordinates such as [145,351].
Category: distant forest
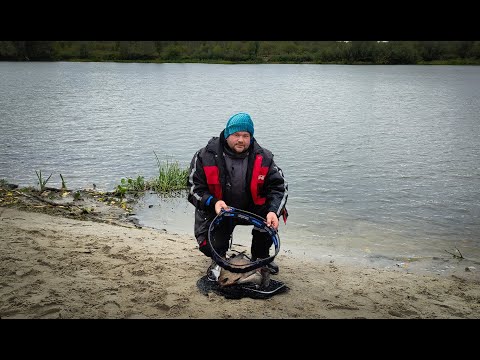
[255,52]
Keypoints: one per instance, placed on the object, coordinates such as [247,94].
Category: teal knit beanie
[239,122]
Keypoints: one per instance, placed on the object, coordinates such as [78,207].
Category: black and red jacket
[267,189]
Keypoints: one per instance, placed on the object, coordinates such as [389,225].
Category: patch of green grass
[170,178]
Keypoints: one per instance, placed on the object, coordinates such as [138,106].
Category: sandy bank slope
[54,267]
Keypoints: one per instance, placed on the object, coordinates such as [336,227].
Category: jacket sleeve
[276,189]
[198,192]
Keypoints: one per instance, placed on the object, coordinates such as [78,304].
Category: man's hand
[220,205]
[272,220]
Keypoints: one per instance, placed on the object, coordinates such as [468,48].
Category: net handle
[253,219]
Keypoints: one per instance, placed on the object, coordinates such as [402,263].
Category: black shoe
[273,268]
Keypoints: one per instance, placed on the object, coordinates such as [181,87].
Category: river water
[382,161]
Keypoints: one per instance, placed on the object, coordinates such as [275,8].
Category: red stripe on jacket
[213,180]
[258,179]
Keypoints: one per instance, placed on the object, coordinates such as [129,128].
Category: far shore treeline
[255,52]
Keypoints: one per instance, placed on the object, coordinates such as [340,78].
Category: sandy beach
[57,267]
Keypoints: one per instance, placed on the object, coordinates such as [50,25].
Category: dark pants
[261,241]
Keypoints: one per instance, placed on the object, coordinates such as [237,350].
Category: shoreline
[59,267]
[442,266]
[176,216]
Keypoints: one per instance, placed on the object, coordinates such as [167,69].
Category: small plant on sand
[121,189]
[64,184]
[77,196]
[137,185]
[41,181]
